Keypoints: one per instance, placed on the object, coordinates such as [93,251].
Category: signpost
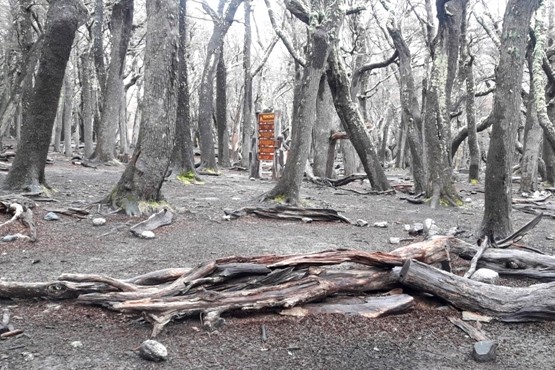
[267,143]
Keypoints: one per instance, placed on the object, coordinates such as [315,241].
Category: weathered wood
[370,307]
[472,332]
[512,262]
[162,218]
[289,213]
[50,290]
[474,262]
[536,302]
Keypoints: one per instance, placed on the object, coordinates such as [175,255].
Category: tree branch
[282,35]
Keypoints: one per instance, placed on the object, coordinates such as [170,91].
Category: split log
[75,212]
[162,218]
[474,333]
[371,307]
[511,262]
[289,213]
[536,302]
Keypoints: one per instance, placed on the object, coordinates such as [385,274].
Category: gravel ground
[423,338]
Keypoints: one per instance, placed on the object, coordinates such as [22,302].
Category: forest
[215,155]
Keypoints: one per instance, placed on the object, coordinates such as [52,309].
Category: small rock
[452,231]
[226,217]
[381,224]
[407,227]
[394,240]
[98,221]
[252,178]
[76,344]
[147,234]
[430,227]
[28,356]
[485,351]
[361,223]
[417,229]
[468,200]
[51,216]
[152,350]
[306,220]
[485,276]
[550,237]
[14,237]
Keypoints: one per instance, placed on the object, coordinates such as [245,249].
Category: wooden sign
[266,136]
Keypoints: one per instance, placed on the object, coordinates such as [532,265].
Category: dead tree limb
[505,303]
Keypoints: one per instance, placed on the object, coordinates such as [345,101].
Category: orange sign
[266,136]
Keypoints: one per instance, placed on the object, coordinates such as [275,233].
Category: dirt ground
[420,339]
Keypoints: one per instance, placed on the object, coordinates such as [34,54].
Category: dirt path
[421,339]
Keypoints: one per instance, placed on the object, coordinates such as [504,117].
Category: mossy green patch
[473,181]
[149,207]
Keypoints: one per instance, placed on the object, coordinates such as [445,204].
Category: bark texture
[352,121]
[288,186]
[206,89]
[121,25]
[496,222]
[63,19]
[144,175]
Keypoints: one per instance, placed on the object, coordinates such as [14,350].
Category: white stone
[98,221]
[152,350]
[394,240]
[361,223]
[306,220]
[485,276]
[76,344]
[381,224]
[147,234]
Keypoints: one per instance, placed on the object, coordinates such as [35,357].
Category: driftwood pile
[291,281]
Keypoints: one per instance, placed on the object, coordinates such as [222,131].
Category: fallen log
[55,290]
[21,210]
[536,302]
[512,262]
[474,333]
[289,213]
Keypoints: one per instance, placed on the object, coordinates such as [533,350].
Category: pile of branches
[284,281]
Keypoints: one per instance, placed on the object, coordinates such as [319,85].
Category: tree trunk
[63,19]
[98,45]
[206,89]
[440,188]
[473,147]
[121,26]
[248,126]
[184,165]
[123,139]
[325,117]
[59,123]
[288,186]
[532,129]
[352,121]
[221,113]
[410,108]
[144,175]
[67,109]
[496,222]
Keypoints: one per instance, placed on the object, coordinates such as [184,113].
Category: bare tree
[144,175]
[496,222]
[63,19]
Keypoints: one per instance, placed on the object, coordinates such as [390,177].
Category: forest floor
[423,338]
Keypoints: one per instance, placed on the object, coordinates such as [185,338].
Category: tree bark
[221,113]
[473,147]
[144,175]
[206,89]
[532,129]
[325,118]
[184,165]
[67,109]
[98,45]
[63,19]
[410,107]
[505,303]
[496,222]
[288,186]
[352,121]
[248,124]
[121,26]
[440,188]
